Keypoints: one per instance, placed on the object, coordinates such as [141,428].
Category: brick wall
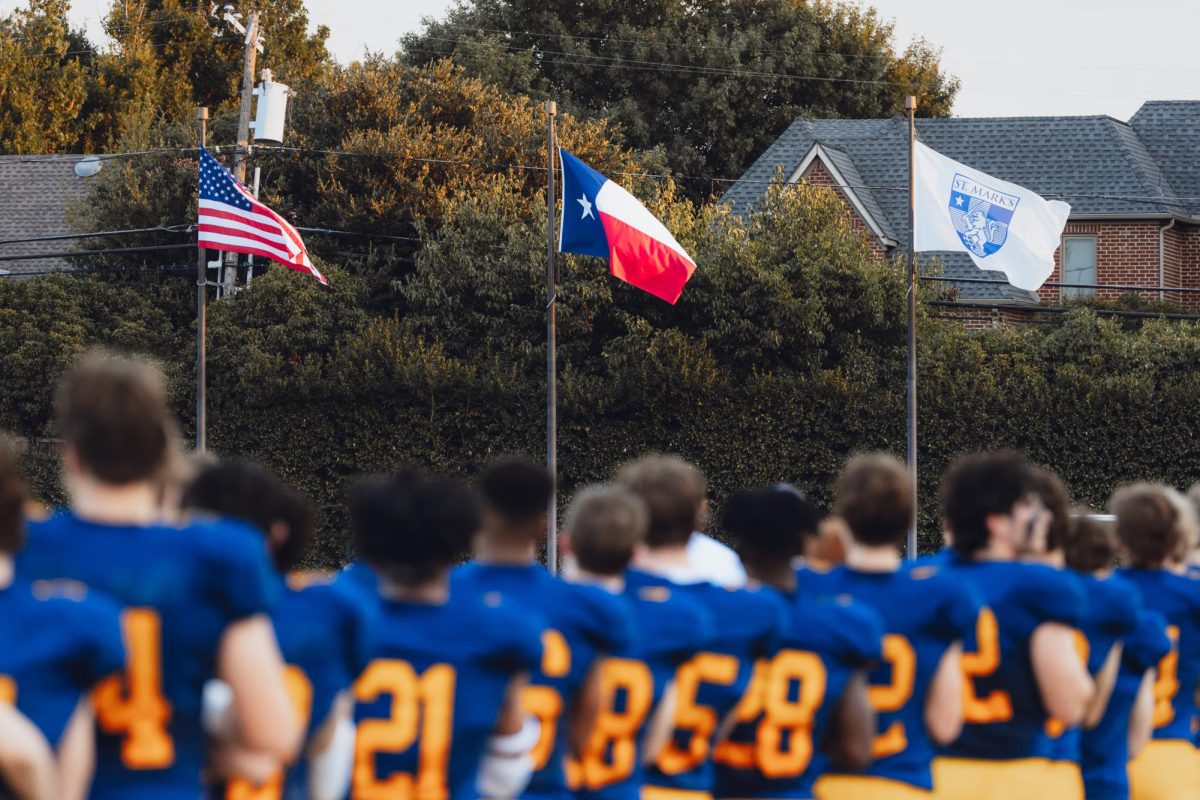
[1187,239]
[1126,254]
[818,175]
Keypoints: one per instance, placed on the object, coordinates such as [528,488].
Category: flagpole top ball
[202,113]
[551,107]
[910,102]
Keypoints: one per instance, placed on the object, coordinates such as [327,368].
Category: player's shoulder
[839,625]
[670,618]
[1113,600]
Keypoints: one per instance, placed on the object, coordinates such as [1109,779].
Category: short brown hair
[112,411]
[1057,500]
[673,491]
[875,498]
[604,523]
[13,496]
[1148,524]
[1091,544]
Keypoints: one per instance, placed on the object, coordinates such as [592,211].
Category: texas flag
[599,218]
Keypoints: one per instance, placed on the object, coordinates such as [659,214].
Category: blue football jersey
[324,635]
[1112,607]
[1105,748]
[180,587]
[785,714]
[924,611]
[671,629]
[578,623]
[428,700]
[1003,710]
[57,641]
[1177,599]
[747,626]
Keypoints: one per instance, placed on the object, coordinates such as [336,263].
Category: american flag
[231,219]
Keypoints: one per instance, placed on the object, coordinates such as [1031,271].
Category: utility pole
[243,131]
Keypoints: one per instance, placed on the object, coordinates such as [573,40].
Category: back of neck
[863,558]
[114,504]
[611,583]
[778,575]
[505,548]
[432,592]
[662,560]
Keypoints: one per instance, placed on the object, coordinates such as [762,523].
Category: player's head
[516,495]
[989,501]
[1091,544]
[604,524]
[771,525]
[1056,499]
[410,529]
[13,497]
[875,500]
[674,492]
[1151,526]
[245,491]
[113,419]
[1189,524]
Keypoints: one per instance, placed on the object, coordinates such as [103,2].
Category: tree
[711,82]
[43,79]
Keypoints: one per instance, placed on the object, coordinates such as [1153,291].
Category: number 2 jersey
[924,611]
[1004,718]
[429,698]
[57,641]
[578,623]
[773,750]
[747,625]
[181,587]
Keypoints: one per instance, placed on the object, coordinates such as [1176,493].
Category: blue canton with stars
[581,231]
[218,183]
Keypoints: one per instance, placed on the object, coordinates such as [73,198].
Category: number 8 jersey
[181,587]
[428,700]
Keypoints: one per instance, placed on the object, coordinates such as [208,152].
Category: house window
[1078,264]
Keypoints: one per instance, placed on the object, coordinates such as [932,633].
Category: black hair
[770,522]
[978,486]
[410,528]
[245,491]
[516,489]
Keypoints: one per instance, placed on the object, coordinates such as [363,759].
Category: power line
[95,234]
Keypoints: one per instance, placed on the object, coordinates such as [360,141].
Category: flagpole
[551,353]
[201,316]
[910,104]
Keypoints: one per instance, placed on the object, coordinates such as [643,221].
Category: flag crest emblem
[981,215]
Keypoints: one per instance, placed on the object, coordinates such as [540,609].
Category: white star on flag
[587,207]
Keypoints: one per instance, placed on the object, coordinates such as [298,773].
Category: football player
[1127,722]
[438,704]
[807,707]
[57,641]
[747,625]
[579,623]
[917,687]
[1111,615]
[323,634]
[196,598]
[1153,523]
[635,708]
[1023,668]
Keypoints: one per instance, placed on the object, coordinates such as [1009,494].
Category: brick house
[35,192]
[1134,190]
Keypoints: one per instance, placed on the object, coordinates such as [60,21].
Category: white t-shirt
[710,560]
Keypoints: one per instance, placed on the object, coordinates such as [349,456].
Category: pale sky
[1014,57]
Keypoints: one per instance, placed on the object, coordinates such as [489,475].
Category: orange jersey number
[740,755]
[899,655]
[611,752]
[544,702]
[132,704]
[299,689]
[699,720]
[422,707]
[1167,684]
[785,710]
[997,706]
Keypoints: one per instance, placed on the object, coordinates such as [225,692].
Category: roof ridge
[1163,188]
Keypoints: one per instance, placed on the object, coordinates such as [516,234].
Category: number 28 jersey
[428,700]
[181,587]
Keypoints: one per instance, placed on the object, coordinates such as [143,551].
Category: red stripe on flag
[297,265]
[269,227]
[645,262]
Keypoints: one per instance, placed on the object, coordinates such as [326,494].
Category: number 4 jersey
[428,700]
[181,587]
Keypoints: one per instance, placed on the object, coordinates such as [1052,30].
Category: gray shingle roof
[1097,164]
[34,193]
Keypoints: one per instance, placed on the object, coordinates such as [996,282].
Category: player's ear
[701,516]
[277,535]
[72,466]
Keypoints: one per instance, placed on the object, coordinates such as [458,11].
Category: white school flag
[1002,226]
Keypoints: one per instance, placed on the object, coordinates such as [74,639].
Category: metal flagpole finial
[910,102]
[551,107]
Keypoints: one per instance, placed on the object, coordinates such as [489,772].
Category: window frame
[1066,293]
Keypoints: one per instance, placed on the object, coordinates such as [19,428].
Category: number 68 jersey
[180,587]
[428,700]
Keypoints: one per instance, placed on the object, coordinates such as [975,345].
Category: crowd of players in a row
[154,645]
